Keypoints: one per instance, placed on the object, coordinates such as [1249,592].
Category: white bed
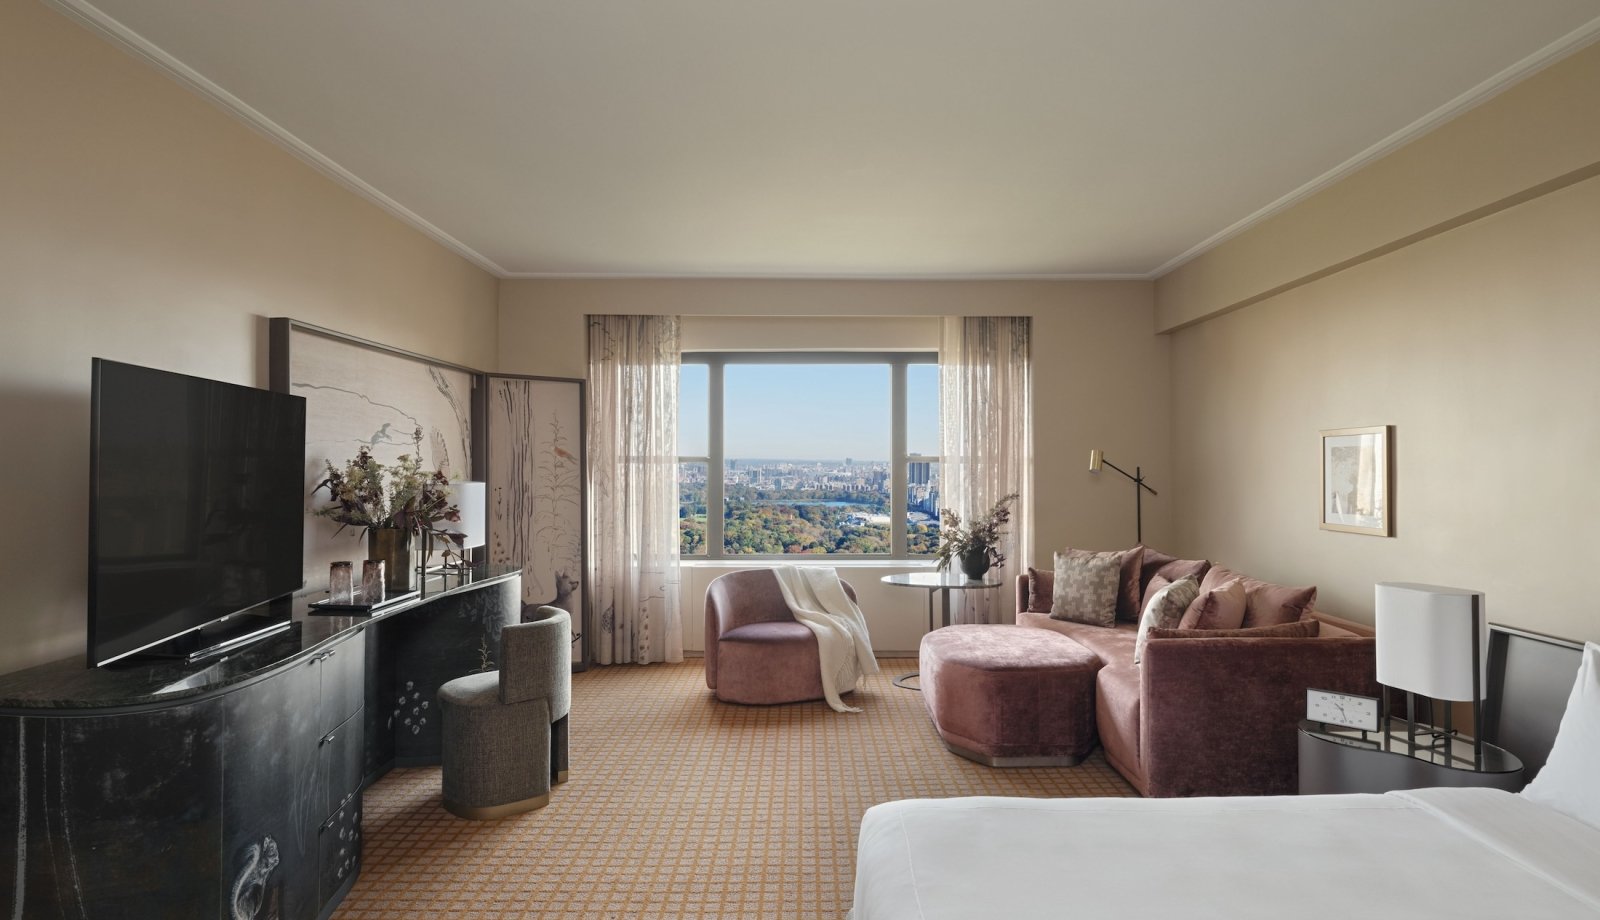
[1449,853]
[1458,853]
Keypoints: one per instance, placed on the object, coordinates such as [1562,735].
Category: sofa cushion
[1168,569]
[1117,713]
[1300,629]
[1111,645]
[1219,607]
[1129,591]
[1166,609]
[1266,604]
[1087,586]
[1040,588]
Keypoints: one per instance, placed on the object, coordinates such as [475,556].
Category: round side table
[942,584]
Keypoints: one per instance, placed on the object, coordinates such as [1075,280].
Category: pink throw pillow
[1220,607]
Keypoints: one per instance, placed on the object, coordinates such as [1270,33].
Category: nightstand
[1337,760]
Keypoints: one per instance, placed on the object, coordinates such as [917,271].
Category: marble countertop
[71,684]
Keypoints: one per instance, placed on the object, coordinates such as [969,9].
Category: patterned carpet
[679,807]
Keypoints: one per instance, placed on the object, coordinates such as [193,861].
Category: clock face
[1344,709]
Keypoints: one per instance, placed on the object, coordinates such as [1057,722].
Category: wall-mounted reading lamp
[1096,458]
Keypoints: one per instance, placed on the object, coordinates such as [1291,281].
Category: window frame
[716,460]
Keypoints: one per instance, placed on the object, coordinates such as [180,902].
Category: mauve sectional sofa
[1209,716]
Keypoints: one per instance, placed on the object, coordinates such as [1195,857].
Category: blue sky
[809,411]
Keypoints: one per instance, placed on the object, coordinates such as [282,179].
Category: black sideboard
[228,788]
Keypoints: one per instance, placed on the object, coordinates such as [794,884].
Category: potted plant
[392,505]
[975,544]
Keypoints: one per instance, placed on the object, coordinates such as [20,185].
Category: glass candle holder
[372,588]
[341,584]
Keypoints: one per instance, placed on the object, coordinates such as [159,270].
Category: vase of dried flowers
[393,504]
[976,545]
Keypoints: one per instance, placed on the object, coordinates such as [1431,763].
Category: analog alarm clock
[1348,710]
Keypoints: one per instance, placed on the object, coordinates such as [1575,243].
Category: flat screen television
[195,504]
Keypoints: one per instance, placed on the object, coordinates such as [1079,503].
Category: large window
[814,453]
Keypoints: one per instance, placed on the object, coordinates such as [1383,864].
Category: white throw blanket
[816,598]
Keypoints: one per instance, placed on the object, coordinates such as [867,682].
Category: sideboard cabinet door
[106,814]
[270,818]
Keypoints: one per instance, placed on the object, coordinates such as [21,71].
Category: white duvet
[1448,853]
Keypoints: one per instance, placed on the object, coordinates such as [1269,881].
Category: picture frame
[1358,481]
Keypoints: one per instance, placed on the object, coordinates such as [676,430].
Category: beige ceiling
[915,138]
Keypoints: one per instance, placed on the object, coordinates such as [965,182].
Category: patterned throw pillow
[1219,607]
[1165,609]
[1086,587]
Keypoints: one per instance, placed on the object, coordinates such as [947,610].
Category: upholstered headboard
[1530,678]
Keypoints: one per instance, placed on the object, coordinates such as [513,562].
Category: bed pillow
[1218,607]
[1302,629]
[1165,609]
[1569,782]
[1266,604]
[1086,587]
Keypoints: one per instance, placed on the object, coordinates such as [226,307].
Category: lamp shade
[472,499]
[1431,640]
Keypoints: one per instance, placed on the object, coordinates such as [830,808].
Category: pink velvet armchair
[756,652]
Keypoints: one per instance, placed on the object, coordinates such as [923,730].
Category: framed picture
[1357,488]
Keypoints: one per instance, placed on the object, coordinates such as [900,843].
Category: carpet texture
[680,806]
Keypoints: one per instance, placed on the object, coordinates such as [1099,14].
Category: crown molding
[1572,42]
[801,276]
[132,42]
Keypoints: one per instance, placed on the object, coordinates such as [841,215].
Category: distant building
[920,471]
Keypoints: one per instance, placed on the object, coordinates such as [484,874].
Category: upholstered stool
[505,731]
[1009,696]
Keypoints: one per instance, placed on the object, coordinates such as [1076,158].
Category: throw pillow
[1266,604]
[1303,629]
[1086,587]
[1128,592]
[1165,609]
[1168,569]
[1567,782]
[1219,607]
[1131,588]
[1039,592]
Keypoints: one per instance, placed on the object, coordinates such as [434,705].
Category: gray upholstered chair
[756,651]
[505,731]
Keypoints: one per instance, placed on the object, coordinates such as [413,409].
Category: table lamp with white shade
[1431,642]
[471,499]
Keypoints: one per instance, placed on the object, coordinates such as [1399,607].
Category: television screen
[195,504]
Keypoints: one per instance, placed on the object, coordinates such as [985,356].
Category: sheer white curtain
[633,461]
[985,404]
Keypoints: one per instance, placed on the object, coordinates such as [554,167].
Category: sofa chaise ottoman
[1009,696]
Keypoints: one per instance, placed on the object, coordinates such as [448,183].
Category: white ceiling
[917,138]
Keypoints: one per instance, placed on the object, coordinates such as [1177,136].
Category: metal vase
[392,547]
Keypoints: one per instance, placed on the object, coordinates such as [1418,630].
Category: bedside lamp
[1431,641]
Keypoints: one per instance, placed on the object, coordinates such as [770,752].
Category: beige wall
[140,223]
[1478,345]
[1100,380]
[1539,135]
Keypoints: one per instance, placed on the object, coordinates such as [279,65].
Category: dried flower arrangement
[975,544]
[369,495]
